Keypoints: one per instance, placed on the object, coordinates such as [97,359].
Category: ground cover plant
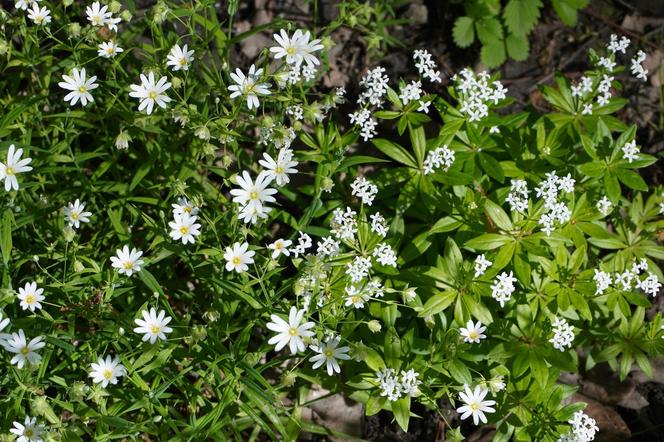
[190,246]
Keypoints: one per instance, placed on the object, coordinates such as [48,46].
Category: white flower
[481,264]
[75,214]
[426,66]
[30,296]
[604,206]
[366,122]
[23,4]
[375,84]
[355,297]
[389,384]
[290,333]
[518,196]
[583,429]
[184,206]
[630,151]
[503,287]
[149,92]
[475,404]
[637,68]
[328,246]
[303,243]
[602,280]
[14,165]
[3,322]
[385,255]
[109,49]
[607,63]
[153,326]
[440,157]
[253,194]
[29,431]
[563,334]
[378,224]
[107,371]
[278,170]
[476,92]
[410,92]
[122,140]
[297,48]
[343,223]
[98,15]
[364,189]
[616,45]
[359,268]
[650,285]
[25,351]
[252,213]
[328,353]
[248,86]
[39,16]
[423,106]
[127,262]
[473,332]
[238,256]
[279,247]
[184,227]
[180,58]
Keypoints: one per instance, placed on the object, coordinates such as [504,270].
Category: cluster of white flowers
[604,206]
[583,87]
[426,66]
[518,196]
[364,189]
[366,122]
[410,92]
[637,68]
[358,269]
[503,287]
[184,226]
[440,157]
[628,279]
[303,243]
[385,255]
[344,224]
[395,387]
[583,429]
[630,151]
[375,87]
[563,334]
[481,264]
[618,45]
[555,211]
[476,92]
[378,224]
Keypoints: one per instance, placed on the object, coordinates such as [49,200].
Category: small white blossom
[153,326]
[378,224]
[109,49]
[481,264]
[290,333]
[602,281]
[364,189]
[616,45]
[637,68]
[184,228]
[239,257]
[563,334]
[474,404]
[604,206]
[473,332]
[385,255]
[440,157]
[248,86]
[503,287]
[75,214]
[107,371]
[650,285]
[630,151]
[127,262]
[358,269]
[150,92]
[180,58]
[328,353]
[30,296]
[28,431]
[303,243]
[24,351]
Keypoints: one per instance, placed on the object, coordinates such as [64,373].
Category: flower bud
[74,30]
[114,6]
[126,16]
[176,82]
[203,133]
[374,326]
[122,140]
[409,294]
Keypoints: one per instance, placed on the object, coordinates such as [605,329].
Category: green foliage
[503,31]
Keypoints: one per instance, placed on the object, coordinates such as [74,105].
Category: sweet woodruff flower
[637,68]
[364,189]
[481,264]
[296,49]
[248,86]
[583,429]
[473,332]
[475,405]
[280,247]
[563,334]
[385,255]
[328,353]
[184,227]
[503,287]
[604,206]
[75,214]
[25,351]
[238,257]
[13,166]
[150,92]
[279,169]
[153,326]
[290,333]
[80,87]
[109,49]
[30,296]
[127,262]
[602,280]
[180,58]
[107,371]
[28,431]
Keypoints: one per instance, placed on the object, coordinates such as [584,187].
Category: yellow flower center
[108,374]
[110,50]
[474,406]
[355,299]
[473,334]
[183,61]
[30,298]
[28,432]
[152,95]
[154,329]
[278,245]
[128,265]
[292,331]
[74,215]
[290,50]
[279,170]
[237,260]
[253,195]
[9,170]
[25,351]
[187,209]
[184,230]
[81,89]
[328,353]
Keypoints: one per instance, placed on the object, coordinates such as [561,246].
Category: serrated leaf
[517,47]
[521,16]
[489,30]
[493,53]
[464,32]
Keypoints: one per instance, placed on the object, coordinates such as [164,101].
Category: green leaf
[567,10]
[150,281]
[521,16]
[6,232]
[632,179]
[419,142]
[437,303]
[498,215]
[464,31]
[491,166]
[487,241]
[612,187]
[394,151]
[489,30]
[517,47]
[493,53]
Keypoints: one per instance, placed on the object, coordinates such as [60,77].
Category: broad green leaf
[437,303]
[464,31]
